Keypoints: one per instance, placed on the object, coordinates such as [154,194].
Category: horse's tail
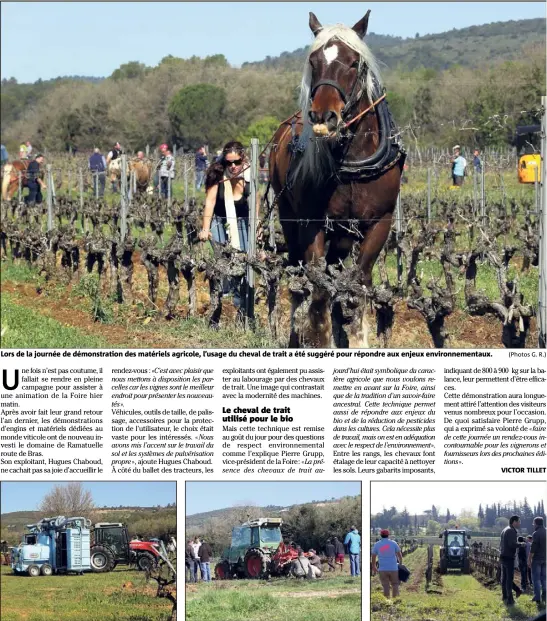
[8,169]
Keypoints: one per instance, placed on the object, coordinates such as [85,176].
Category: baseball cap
[384,532]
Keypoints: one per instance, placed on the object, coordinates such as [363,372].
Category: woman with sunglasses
[226,213]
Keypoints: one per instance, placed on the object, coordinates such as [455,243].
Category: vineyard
[460,268]
[452,596]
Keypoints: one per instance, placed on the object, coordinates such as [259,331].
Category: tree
[196,114]
[130,71]
[263,129]
[433,527]
[70,500]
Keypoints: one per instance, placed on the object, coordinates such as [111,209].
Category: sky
[26,496]
[453,495]
[208,496]
[95,38]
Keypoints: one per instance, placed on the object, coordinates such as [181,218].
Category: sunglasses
[234,163]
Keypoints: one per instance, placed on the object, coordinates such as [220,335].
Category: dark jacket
[538,544]
[205,553]
[96,163]
[339,547]
[33,172]
[315,560]
[508,542]
[201,161]
[329,550]
[189,553]
[522,555]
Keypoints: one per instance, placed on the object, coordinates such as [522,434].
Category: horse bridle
[349,102]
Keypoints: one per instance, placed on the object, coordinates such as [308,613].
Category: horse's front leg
[316,324]
[370,248]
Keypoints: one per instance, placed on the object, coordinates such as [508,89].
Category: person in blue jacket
[353,543]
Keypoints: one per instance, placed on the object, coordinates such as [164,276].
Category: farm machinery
[454,553]
[257,551]
[63,545]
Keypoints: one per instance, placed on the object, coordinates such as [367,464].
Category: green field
[121,595]
[279,599]
[451,597]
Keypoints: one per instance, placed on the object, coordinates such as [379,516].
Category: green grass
[280,599]
[25,328]
[91,597]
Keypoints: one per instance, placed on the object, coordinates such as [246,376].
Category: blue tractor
[54,545]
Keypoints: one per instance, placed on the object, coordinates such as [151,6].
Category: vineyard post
[192,168]
[428,195]
[69,183]
[49,198]
[186,170]
[251,246]
[169,189]
[483,193]
[20,189]
[542,341]
[147,151]
[271,198]
[536,189]
[123,198]
[398,231]
[81,189]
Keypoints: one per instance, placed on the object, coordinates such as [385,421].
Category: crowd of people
[198,556]
[527,555]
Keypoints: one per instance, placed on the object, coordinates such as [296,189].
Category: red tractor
[111,547]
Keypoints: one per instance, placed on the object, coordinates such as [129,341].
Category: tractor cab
[527,139]
[454,552]
[112,546]
[114,535]
[253,544]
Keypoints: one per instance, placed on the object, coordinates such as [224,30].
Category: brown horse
[336,168]
[142,168]
[143,173]
[10,180]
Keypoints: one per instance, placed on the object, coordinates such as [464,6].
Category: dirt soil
[409,329]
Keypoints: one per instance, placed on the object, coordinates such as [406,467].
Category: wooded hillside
[480,78]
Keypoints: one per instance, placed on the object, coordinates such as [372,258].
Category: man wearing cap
[353,544]
[389,556]
[35,183]
[458,166]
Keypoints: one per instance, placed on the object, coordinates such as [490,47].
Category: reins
[371,107]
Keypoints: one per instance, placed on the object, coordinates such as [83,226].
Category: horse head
[339,70]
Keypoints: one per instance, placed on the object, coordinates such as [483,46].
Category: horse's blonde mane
[349,37]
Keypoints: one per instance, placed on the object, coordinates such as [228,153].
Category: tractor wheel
[444,566]
[145,561]
[466,569]
[33,571]
[101,560]
[47,570]
[222,571]
[256,564]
